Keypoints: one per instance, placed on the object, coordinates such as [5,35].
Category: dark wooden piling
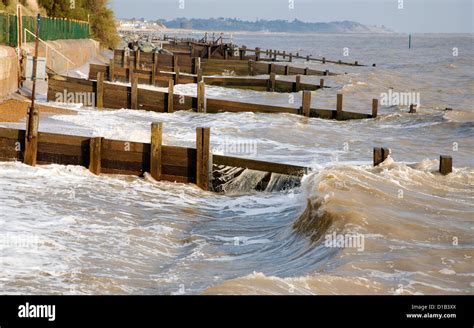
[375,107]
[380,155]
[203,161]
[95,155]
[134,94]
[445,164]
[31,136]
[412,109]
[99,91]
[199,75]
[243,50]
[321,83]
[297,85]
[170,97]
[156,146]
[251,68]
[153,74]
[287,70]
[271,84]
[339,106]
[306,103]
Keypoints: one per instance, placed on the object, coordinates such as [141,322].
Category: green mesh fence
[51,29]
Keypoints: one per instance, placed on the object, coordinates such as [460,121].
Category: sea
[349,228]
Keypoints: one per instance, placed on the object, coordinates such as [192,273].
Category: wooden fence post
[375,107]
[306,103]
[412,109]
[99,90]
[95,156]
[201,97]
[203,163]
[134,94]
[324,60]
[112,70]
[287,70]
[339,106]
[156,146]
[170,99]
[31,136]
[291,57]
[271,68]
[321,83]
[177,74]
[445,164]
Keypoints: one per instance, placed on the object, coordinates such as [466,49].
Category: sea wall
[8,71]
[78,52]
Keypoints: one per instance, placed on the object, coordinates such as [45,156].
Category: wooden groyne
[164,163]
[185,63]
[118,96]
[120,74]
[218,48]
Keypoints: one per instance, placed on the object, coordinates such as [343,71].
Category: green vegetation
[101,18]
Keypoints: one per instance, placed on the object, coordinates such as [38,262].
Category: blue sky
[417,16]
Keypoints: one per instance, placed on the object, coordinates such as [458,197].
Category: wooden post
[201,97]
[326,72]
[324,60]
[375,107]
[155,155]
[339,106]
[377,156]
[380,155]
[356,63]
[153,74]
[251,68]
[134,94]
[199,75]
[287,70]
[197,65]
[306,103]
[257,54]
[175,63]
[297,85]
[170,99]
[445,164]
[95,156]
[130,74]
[177,76]
[31,140]
[112,70]
[284,54]
[271,83]
[321,83]
[126,58]
[137,59]
[412,109]
[291,57]
[20,26]
[271,68]
[99,90]
[307,58]
[203,163]
[243,50]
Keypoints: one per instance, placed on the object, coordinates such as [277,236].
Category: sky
[414,16]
